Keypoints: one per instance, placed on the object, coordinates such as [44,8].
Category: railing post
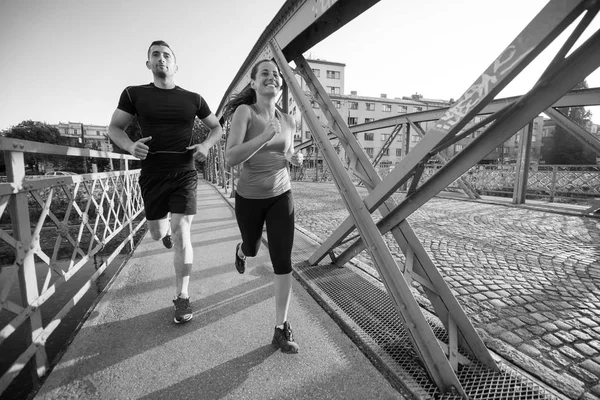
[126,198]
[553,184]
[25,249]
[522,172]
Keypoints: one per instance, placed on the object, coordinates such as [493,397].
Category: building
[358,109]
[92,136]
[549,127]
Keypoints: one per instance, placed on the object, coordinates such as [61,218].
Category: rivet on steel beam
[21,145]
[15,145]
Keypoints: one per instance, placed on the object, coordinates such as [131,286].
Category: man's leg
[183,256]
[159,227]
[183,251]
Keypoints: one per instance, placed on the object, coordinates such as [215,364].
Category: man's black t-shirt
[168,116]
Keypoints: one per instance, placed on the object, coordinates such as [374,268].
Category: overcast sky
[69,60]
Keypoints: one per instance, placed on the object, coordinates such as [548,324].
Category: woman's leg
[280,234]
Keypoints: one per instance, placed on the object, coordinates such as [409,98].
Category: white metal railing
[50,228]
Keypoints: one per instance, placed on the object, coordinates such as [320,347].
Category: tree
[37,132]
[564,148]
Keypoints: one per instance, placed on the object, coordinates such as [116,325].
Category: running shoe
[284,340]
[240,263]
[183,310]
[167,241]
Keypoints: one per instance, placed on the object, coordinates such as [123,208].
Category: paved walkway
[129,348]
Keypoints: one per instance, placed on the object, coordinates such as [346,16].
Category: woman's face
[267,80]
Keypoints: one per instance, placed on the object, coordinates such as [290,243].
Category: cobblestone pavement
[528,280]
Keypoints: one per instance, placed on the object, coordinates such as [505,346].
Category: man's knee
[157,229]
[156,234]
[180,229]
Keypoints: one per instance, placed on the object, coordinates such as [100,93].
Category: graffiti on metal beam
[321,6]
[502,65]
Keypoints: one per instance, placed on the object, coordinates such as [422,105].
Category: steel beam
[542,30]
[297,26]
[424,341]
[574,69]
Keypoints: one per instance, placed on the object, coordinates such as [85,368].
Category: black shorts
[173,192]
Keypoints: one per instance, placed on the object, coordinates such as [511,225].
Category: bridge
[404,312]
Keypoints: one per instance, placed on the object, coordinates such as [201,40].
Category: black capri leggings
[278,213]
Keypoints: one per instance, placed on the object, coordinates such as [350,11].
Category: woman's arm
[294,158]
[237,151]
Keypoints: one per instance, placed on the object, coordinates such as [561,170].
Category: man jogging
[168,178]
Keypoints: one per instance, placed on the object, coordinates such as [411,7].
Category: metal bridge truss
[285,41]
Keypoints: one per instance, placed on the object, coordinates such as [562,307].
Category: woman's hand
[297,159]
[273,129]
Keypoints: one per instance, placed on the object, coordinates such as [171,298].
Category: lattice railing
[51,229]
[551,182]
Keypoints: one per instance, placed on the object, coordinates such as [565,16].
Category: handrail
[87,213]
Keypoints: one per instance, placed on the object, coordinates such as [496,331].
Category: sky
[69,60]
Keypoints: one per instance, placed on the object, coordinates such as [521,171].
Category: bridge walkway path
[130,348]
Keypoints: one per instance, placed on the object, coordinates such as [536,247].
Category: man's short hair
[160,43]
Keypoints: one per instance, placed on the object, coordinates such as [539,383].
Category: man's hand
[200,151]
[139,149]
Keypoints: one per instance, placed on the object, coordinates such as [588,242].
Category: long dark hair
[247,95]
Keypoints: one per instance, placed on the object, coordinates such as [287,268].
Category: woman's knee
[249,250]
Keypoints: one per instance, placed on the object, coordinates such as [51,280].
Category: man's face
[161,61]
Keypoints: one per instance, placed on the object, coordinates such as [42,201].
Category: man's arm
[216,131]
[201,149]
[116,131]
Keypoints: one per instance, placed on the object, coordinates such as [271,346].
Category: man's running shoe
[283,339]
[240,263]
[183,310]
[167,241]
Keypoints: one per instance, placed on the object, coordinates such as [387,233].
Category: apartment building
[358,109]
[93,136]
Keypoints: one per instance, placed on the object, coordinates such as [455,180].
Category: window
[337,103]
[369,136]
[333,74]
[75,132]
[333,90]
[385,152]
[307,134]
[414,138]
[370,106]
[386,107]
[384,136]
[398,152]
[385,164]
[418,109]
[369,151]
[369,119]
[317,72]
[458,147]
[402,109]
[353,105]
[352,120]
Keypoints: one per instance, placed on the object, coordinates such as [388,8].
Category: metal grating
[365,311]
